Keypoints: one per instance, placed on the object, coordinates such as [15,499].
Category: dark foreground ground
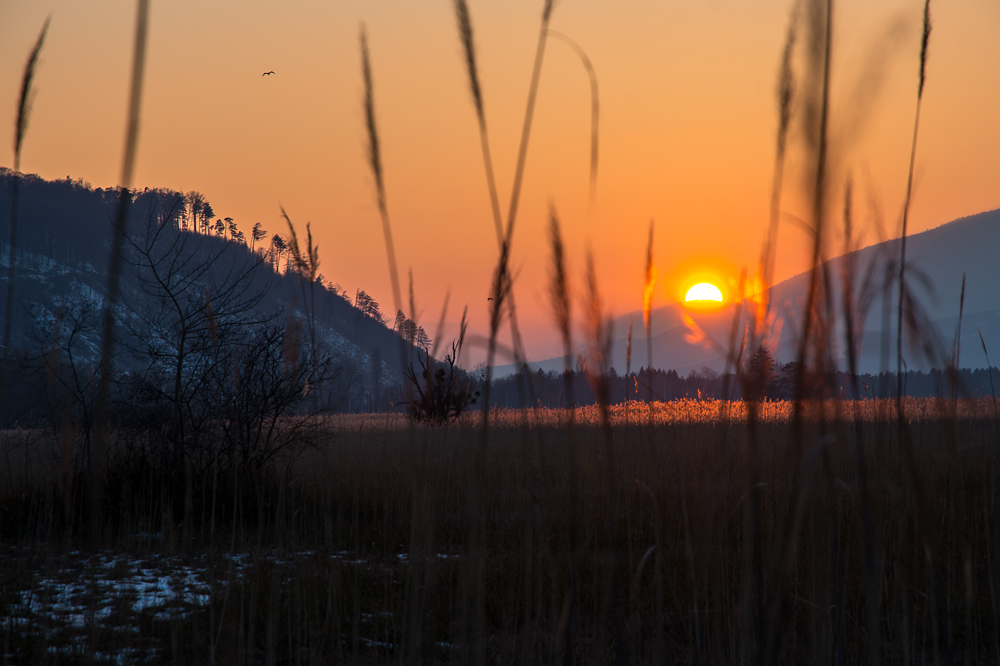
[702,535]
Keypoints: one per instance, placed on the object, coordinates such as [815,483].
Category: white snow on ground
[68,597]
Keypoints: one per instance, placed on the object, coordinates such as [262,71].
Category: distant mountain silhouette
[936,259]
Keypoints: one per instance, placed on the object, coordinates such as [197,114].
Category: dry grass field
[387,542]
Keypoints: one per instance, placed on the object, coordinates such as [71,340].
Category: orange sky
[687,128]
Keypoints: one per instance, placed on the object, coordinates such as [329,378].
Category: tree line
[552,389]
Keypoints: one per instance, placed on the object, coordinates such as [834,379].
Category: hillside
[177,245]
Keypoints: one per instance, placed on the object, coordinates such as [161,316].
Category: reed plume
[529,113]
[20,129]
[785,98]
[439,331]
[819,16]
[628,351]
[924,41]
[468,46]
[499,295]
[375,162]
[648,285]
[307,266]
[818,109]
[908,312]
[993,393]
[561,306]
[98,452]
[559,289]
[957,346]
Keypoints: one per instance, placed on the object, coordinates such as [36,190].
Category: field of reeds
[373,547]
[812,530]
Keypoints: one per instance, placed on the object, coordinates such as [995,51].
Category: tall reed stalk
[648,285]
[599,335]
[375,163]
[753,388]
[468,45]
[924,40]
[942,631]
[820,26]
[307,267]
[559,293]
[99,449]
[529,114]
[20,129]
[956,351]
[993,393]
[595,109]
[853,315]
[785,98]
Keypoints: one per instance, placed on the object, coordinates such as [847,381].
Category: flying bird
[266,73]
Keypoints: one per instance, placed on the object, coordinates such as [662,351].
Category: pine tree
[258,233]
[761,371]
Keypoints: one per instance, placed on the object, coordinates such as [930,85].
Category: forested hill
[188,271]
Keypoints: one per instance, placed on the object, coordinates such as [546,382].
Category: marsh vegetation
[193,492]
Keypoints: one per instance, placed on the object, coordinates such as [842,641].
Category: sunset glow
[694,152]
[703,291]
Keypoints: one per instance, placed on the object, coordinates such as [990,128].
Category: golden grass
[684,411]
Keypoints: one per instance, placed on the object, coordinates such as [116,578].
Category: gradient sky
[687,128]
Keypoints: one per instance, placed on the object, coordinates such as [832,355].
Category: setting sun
[703,291]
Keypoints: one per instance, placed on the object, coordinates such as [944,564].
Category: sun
[703,292]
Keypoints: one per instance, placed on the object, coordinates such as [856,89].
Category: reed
[20,130]
[307,267]
[465,31]
[547,535]
[529,114]
[561,300]
[595,109]
[785,98]
[855,307]
[375,163]
[993,393]
[469,49]
[599,337]
[924,42]
[106,370]
[648,285]
[956,347]
[819,18]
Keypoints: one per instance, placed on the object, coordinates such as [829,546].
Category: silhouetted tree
[194,201]
[278,248]
[421,339]
[441,391]
[206,214]
[258,233]
[367,305]
[183,314]
[759,373]
[64,343]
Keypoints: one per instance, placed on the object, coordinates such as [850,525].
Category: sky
[687,130]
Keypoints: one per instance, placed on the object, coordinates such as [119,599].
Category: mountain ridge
[937,258]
